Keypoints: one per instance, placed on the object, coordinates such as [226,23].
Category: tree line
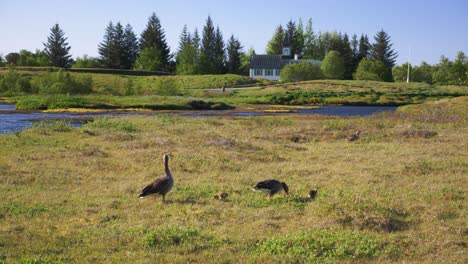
[208,53]
[446,72]
[120,48]
[348,52]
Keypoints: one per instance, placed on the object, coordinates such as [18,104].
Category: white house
[269,66]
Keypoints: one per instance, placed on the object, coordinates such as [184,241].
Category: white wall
[263,76]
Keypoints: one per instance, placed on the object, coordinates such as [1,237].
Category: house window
[277,72]
[258,72]
[269,72]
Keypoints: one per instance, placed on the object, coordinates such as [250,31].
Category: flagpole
[409,56]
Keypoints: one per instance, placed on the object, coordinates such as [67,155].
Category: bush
[301,72]
[333,66]
[12,83]
[372,70]
[63,83]
[86,62]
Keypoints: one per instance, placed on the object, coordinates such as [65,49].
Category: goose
[271,187]
[312,194]
[162,185]
[354,137]
[221,196]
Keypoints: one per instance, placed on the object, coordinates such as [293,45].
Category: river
[15,121]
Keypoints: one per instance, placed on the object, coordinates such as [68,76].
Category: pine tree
[184,38]
[105,47]
[130,47]
[347,55]
[220,53]
[234,51]
[364,48]
[208,47]
[117,50]
[275,45]
[291,32]
[310,45]
[154,36]
[57,48]
[298,40]
[355,46]
[382,49]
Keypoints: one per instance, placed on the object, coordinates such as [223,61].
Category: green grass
[70,195]
[176,92]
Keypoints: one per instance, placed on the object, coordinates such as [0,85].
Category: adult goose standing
[271,187]
[162,185]
[354,137]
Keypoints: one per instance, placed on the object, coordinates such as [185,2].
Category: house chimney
[296,56]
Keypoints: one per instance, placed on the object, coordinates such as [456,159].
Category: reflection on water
[17,121]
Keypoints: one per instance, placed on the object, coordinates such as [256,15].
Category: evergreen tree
[187,54]
[130,47]
[347,55]
[57,48]
[149,59]
[275,45]
[382,49]
[298,39]
[184,38]
[196,41]
[291,32]
[364,48]
[323,45]
[187,63]
[310,45]
[117,50]
[234,51]
[220,53]
[154,36]
[208,47]
[106,46]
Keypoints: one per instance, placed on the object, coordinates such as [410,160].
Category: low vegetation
[395,195]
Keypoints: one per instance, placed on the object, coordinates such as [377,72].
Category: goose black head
[166,158]
[358,133]
[285,188]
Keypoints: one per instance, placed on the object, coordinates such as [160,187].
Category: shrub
[372,70]
[333,66]
[12,83]
[86,62]
[300,72]
[62,82]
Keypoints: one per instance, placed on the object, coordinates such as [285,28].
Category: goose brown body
[162,185]
[354,137]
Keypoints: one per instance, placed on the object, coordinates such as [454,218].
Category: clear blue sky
[430,27]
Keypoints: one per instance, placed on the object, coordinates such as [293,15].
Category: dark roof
[267,62]
[274,62]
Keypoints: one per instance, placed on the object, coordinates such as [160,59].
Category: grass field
[70,195]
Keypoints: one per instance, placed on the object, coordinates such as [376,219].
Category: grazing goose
[162,185]
[354,137]
[271,187]
[221,196]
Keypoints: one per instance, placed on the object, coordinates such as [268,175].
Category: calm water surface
[18,121]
